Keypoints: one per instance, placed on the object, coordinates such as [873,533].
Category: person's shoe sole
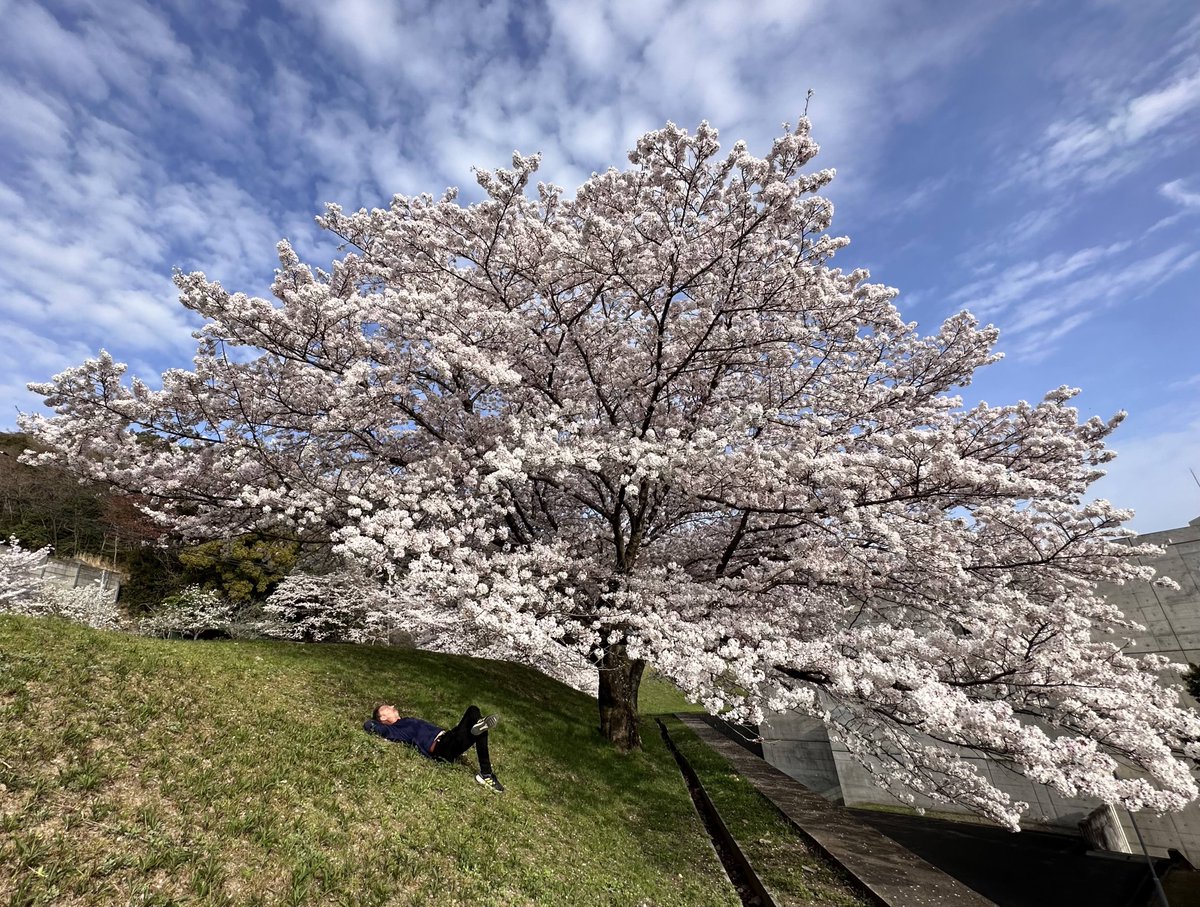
[485,724]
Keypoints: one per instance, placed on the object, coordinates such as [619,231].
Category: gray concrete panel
[810,762]
[71,574]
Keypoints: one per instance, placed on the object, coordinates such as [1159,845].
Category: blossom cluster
[20,575]
[344,606]
[191,614]
[24,591]
[89,605]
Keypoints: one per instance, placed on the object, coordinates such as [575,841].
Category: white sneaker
[491,782]
[485,724]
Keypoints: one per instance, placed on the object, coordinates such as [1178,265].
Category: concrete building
[801,747]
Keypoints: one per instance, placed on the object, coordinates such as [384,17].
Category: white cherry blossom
[20,576]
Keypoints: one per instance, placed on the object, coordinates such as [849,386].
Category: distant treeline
[48,505]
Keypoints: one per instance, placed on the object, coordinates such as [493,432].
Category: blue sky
[1036,163]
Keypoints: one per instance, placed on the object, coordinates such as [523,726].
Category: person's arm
[397,732]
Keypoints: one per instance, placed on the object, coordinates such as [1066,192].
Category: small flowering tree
[89,605]
[192,613]
[20,576]
[24,591]
[341,606]
[653,423]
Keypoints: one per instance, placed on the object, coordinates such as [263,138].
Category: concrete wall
[1172,621]
[1171,617]
[74,574]
[801,747]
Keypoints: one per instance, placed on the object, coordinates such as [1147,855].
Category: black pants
[459,739]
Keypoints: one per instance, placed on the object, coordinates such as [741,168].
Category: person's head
[385,714]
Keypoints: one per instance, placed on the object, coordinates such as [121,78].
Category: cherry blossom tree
[20,575]
[89,605]
[343,605]
[23,590]
[348,605]
[191,613]
[654,423]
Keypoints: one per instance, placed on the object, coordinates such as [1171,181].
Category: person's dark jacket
[413,731]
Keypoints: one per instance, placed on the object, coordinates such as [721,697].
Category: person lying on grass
[438,743]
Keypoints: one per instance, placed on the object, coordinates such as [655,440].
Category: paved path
[895,876]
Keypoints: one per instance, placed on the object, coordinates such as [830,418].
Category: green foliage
[1191,681]
[152,575]
[45,505]
[243,569]
[238,772]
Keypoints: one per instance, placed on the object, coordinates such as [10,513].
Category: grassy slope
[794,871]
[658,696]
[138,771]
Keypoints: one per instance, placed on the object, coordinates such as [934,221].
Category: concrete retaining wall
[74,574]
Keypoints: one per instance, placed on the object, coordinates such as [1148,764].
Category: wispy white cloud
[211,95]
[61,57]
[1104,144]
[582,81]
[1177,192]
[1031,275]
[1043,301]
[36,123]
[1150,112]
[142,136]
[1015,237]
[918,196]
[994,293]
[27,352]
[100,193]
[1188,383]
[1153,470]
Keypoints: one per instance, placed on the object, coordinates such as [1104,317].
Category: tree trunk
[620,677]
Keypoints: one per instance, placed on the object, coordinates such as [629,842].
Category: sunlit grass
[788,864]
[152,772]
[658,696]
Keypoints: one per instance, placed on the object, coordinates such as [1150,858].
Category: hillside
[159,772]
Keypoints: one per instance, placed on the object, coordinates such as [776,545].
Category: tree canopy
[652,422]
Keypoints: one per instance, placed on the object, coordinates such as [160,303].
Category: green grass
[153,772]
[790,867]
[658,696]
